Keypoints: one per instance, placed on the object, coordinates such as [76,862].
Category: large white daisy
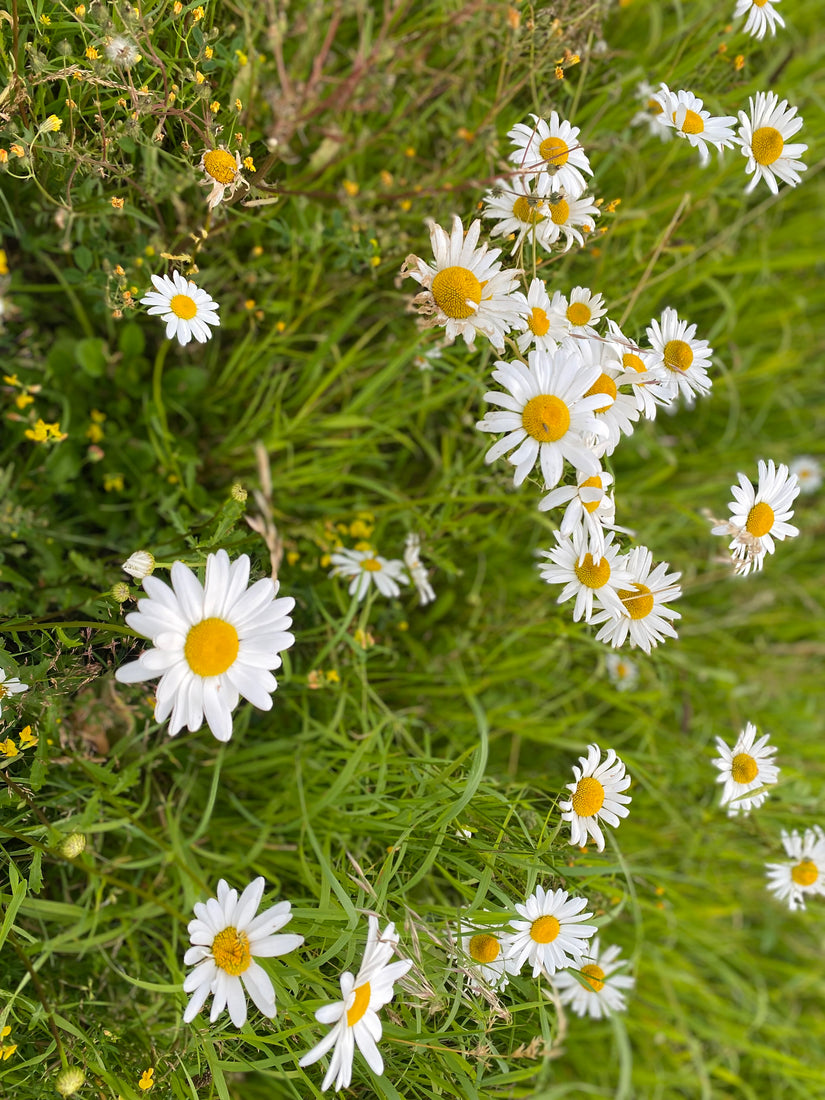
[187,310]
[212,643]
[764,140]
[646,619]
[596,795]
[10,685]
[465,289]
[551,934]
[759,515]
[586,573]
[546,415]
[226,937]
[746,770]
[804,875]
[596,989]
[682,358]
[355,1018]
[685,113]
[539,330]
[366,568]
[762,16]
[553,148]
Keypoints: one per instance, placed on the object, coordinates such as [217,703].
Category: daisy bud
[141,564]
[70,1080]
[120,592]
[73,846]
[238,492]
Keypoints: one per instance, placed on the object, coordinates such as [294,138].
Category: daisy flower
[546,415]
[618,415]
[747,767]
[519,212]
[222,173]
[763,137]
[596,796]
[355,1017]
[466,289]
[366,567]
[539,329]
[226,937]
[808,473]
[590,508]
[486,951]
[623,673]
[652,113]
[212,643]
[762,16]
[418,574]
[682,359]
[9,686]
[568,217]
[759,515]
[645,617]
[599,990]
[585,573]
[639,374]
[580,313]
[551,935]
[804,875]
[187,310]
[683,112]
[553,148]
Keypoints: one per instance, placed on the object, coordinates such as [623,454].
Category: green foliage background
[466,715]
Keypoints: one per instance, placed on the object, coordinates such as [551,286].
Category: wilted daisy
[683,358]
[355,1017]
[580,312]
[10,686]
[222,173]
[747,767]
[763,137]
[596,795]
[226,937]
[466,289]
[585,573]
[639,374]
[546,415]
[521,211]
[808,473]
[187,310]
[486,955]
[552,147]
[539,330]
[590,507]
[684,112]
[551,934]
[212,643]
[122,51]
[652,113]
[598,990]
[759,515]
[366,568]
[418,573]
[646,618]
[762,16]
[804,875]
[623,673]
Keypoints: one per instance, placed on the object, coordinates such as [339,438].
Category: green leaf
[90,354]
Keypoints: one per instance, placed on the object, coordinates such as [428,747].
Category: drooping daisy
[486,951]
[418,573]
[466,289]
[683,359]
[552,147]
[570,218]
[759,515]
[645,619]
[618,415]
[518,208]
[585,573]
[644,381]
[10,686]
[212,643]
[596,796]
[762,16]
[551,935]
[684,112]
[747,767]
[226,938]
[599,990]
[540,331]
[623,673]
[804,875]
[355,1017]
[366,568]
[652,113]
[546,415]
[763,137]
[580,313]
[221,173]
[187,310]
[590,507]
[808,473]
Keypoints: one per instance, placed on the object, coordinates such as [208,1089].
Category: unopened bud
[73,846]
[120,592]
[238,492]
[141,564]
[70,1080]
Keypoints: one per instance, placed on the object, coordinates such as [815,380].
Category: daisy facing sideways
[596,989]
[226,937]
[486,956]
[221,172]
[760,515]
[646,619]
[186,309]
[596,795]
[685,113]
[10,686]
[354,1019]
[764,141]
[367,568]
[746,770]
[762,16]
[550,934]
[213,643]
[804,874]
[590,507]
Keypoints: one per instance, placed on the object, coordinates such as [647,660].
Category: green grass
[467,714]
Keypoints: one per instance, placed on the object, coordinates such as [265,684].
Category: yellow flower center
[372,565]
[484,948]
[183,306]
[592,483]
[554,150]
[589,796]
[593,976]
[453,288]
[359,1005]
[767,145]
[603,384]
[760,520]
[546,418]
[693,123]
[592,575]
[544,930]
[578,313]
[655,107]
[805,873]
[639,604]
[3,691]
[743,768]
[211,647]
[528,210]
[760,3]
[538,322]
[630,361]
[560,211]
[220,165]
[230,950]
[678,355]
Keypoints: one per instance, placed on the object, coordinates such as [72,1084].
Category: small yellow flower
[314,680]
[292,556]
[238,105]
[23,399]
[8,748]
[249,164]
[280,326]
[214,106]
[242,58]
[199,77]
[559,73]
[146,1081]
[6,1051]
[177,7]
[364,638]
[9,379]
[612,205]
[18,150]
[325,561]
[113,483]
[351,188]
[4,156]
[333,677]
[4,270]
[249,304]
[409,152]
[44,19]
[405,204]
[208,53]
[403,625]
[117,203]
[52,123]
[198,14]
[375,260]
[358,529]
[43,431]
[739,62]
[27,738]
[92,53]
[94,433]
[80,11]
